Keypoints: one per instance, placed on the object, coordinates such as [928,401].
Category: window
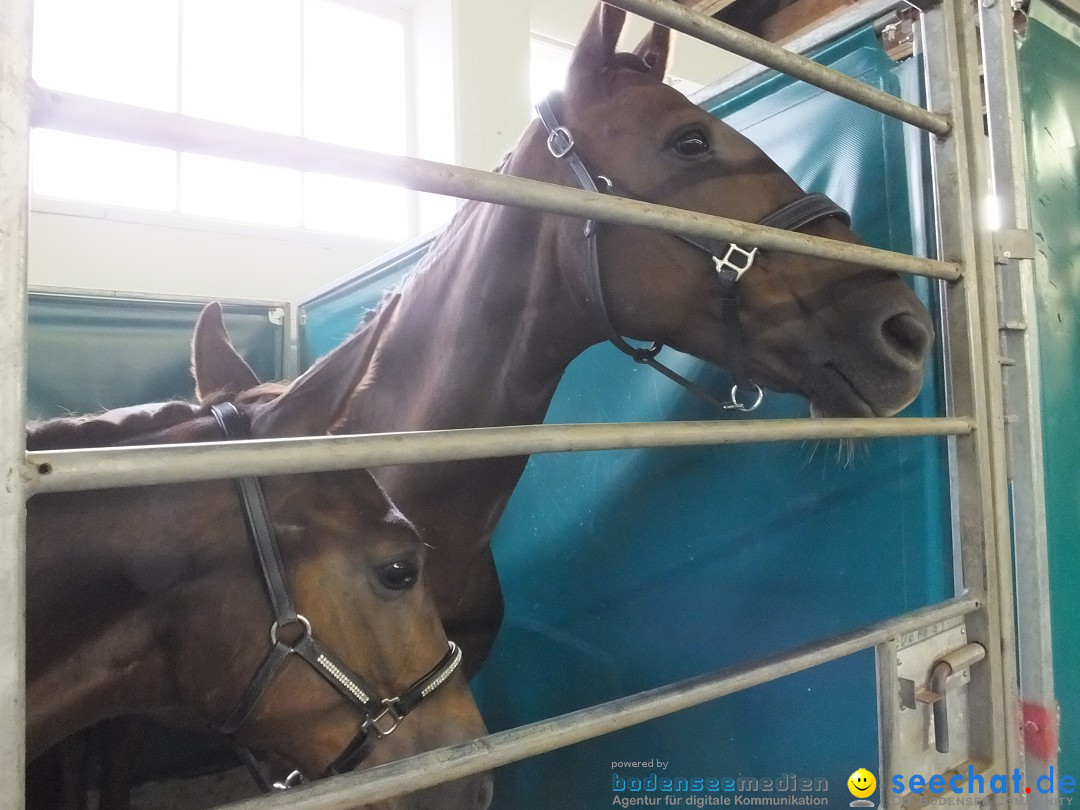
[548,62]
[330,70]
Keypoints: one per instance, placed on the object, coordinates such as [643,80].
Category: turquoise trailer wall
[91,353]
[1050,89]
[628,570]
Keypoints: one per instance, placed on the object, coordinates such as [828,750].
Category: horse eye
[692,144]
[400,575]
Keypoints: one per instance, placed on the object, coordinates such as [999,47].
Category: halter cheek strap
[730,260]
[380,717]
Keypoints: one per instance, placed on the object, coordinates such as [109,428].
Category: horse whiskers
[847,450]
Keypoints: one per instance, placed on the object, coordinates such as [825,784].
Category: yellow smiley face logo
[861,783]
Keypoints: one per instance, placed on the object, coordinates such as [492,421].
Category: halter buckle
[560,141]
[389,710]
[747,257]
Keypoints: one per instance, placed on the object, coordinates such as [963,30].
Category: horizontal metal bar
[167,298]
[847,20]
[102,468]
[707,29]
[107,119]
[501,748]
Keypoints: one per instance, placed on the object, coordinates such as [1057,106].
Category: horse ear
[596,48]
[215,363]
[653,50]
[317,399]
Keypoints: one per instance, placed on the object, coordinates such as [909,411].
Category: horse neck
[100,566]
[483,334]
[486,328]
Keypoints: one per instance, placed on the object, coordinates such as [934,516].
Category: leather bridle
[380,716]
[731,260]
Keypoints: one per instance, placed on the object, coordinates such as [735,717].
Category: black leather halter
[731,260]
[380,716]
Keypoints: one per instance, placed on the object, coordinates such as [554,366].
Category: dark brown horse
[508,297]
[150,600]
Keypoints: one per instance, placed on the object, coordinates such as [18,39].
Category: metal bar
[1019,342]
[169,298]
[102,468]
[979,496]
[679,18]
[859,14]
[106,119]
[15,38]
[501,748]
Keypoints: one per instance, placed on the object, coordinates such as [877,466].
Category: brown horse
[153,600]
[508,297]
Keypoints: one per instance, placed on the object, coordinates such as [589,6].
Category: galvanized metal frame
[15,39]
[980,496]
[107,119]
[102,468]
[1020,369]
[859,13]
[504,747]
[975,390]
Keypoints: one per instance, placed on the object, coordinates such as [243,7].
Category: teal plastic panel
[1050,88]
[628,570]
[90,353]
[328,317]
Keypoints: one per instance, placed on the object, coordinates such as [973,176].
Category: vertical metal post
[15,28]
[1019,341]
[961,163]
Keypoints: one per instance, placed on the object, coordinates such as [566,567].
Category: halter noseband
[380,716]
[732,261]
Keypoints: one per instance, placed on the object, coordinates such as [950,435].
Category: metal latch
[1012,244]
[936,691]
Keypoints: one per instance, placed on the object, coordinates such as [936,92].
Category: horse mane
[140,424]
[439,246]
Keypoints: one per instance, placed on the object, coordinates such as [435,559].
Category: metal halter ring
[299,618]
[739,406]
[292,780]
[560,141]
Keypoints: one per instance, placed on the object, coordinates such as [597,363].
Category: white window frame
[400,12]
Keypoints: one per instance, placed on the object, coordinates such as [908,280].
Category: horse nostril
[907,336]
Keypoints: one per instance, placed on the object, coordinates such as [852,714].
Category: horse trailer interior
[673,557]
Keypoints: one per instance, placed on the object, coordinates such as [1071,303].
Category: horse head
[198,620]
[357,579]
[851,339]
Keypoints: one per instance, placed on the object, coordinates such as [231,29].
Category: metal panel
[1019,361]
[15,38]
[90,352]
[1051,112]
[971,319]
